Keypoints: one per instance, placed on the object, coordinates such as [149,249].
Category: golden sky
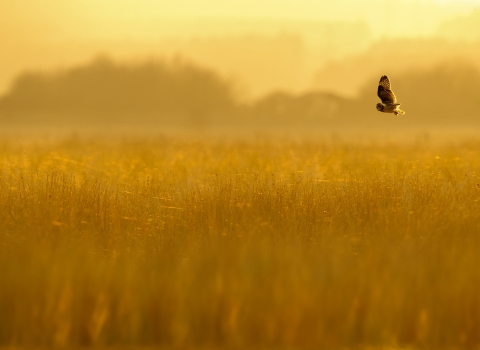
[136,18]
[51,33]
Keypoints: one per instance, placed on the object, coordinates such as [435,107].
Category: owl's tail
[399,111]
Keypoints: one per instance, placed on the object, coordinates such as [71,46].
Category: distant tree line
[173,88]
[178,89]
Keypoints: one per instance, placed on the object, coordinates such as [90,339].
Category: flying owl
[389,101]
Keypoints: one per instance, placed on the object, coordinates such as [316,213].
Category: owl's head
[380,107]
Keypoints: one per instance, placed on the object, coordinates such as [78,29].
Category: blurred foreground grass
[262,243]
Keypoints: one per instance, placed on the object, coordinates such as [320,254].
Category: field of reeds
[265,242]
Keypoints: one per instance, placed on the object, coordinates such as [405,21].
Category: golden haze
[215,174]
[265,45]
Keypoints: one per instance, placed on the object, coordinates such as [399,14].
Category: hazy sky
[50,33]
[132,18]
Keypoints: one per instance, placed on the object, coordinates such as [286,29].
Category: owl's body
[389,100]
[390,108]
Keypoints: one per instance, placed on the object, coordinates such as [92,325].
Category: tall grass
[260,243]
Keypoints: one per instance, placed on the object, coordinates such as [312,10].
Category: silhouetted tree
[310,105]
[173,88]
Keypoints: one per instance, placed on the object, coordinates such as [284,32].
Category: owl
[389,101]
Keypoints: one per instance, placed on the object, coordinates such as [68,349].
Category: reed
[263,243]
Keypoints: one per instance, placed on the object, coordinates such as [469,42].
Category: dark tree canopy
[155,86]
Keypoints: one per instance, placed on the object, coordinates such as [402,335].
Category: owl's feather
[385,82]
[384,91]
[387,96]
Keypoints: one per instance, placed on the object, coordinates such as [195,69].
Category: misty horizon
[233,46]
[181,92]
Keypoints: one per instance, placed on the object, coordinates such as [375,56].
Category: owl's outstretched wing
[384,91]
[385,82]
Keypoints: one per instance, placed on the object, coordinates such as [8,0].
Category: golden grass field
[265,242]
